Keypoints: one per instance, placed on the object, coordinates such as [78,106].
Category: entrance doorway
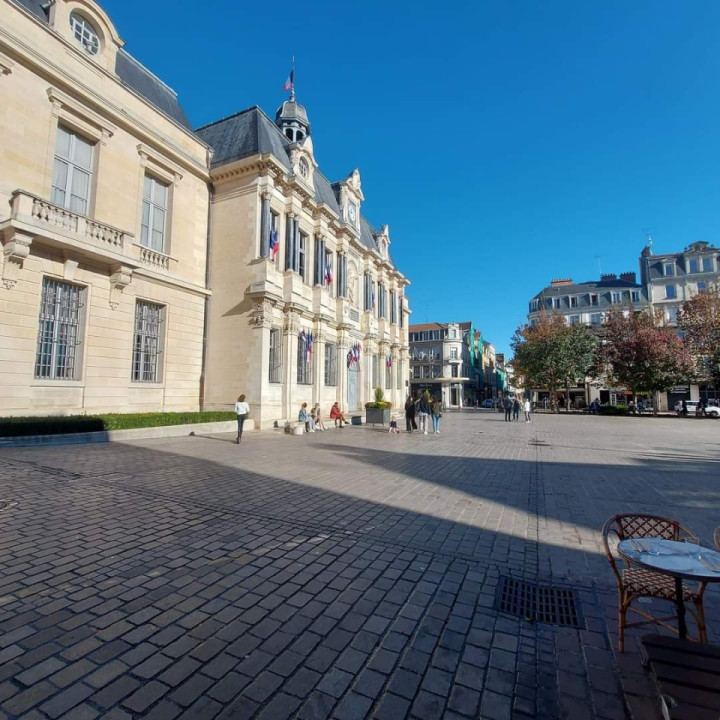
[352,389]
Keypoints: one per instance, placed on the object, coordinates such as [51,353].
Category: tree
[553,355]
[643,357]
[699,319]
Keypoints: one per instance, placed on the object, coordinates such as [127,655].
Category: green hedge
[19,426]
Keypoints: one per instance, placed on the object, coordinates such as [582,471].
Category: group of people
[512,408]
[423,407]
[313,420]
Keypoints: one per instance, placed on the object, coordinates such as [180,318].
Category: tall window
[453,353]
[341,280]
[72,171]
[574,319]
[84,33]
[556,303]
[573,302]
[401,311]
[301,254]
[146,342]
[304,366]
[368,292]
[593,299]
[154,213]
[275,364]
[695,266]
[59,331]
[375,370]
[388,374]
[331,355]
[670,292]
[454,371]
[707,264]
[616,297]
[393,308]
[596,318]
[399,374]
[669,269]
[635,295]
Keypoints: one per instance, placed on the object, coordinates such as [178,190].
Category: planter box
[375,416]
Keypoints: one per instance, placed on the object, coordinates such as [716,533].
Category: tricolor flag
[389,361]
[328,273]
[274,244]
[308,347]
[290,81]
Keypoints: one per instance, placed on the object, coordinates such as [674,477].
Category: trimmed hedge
[20,426]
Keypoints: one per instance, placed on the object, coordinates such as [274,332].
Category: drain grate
[538,603]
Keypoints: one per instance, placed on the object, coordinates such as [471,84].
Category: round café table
[680,560]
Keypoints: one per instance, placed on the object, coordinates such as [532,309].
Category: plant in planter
[378,411]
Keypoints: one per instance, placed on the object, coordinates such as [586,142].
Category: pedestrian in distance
[319,424]
[337,416]
[436,415]
[242,409]
[304,417]
[507,406]
[683,412]
[410,415]
[516,409]
[526,408]
[424,411]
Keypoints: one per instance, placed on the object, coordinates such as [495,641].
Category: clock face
[351,212]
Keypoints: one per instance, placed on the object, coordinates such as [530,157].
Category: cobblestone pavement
[346,574]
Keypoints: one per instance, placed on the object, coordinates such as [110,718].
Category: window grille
[304,366]
[154,213]
[72,171]
[59,331]
[147,341]
[331,364]
[275,364]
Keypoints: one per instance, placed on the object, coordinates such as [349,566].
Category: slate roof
[131,73]
[589,286]
[252,132]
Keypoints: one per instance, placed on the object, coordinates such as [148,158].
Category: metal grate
[538,603]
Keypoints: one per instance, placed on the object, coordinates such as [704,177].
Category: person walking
[410,415]
[436,415]
[526,409]
[516,410]
[424,411]
[507,406]
[241,410]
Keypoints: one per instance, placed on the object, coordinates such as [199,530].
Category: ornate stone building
[103,221]
[307,304]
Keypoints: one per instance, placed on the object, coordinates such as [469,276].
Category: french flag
[274,244]
[290,80]
[328,274]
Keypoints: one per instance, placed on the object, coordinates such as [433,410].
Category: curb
[161,431]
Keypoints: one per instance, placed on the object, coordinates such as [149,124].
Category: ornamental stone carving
[15,249]
[261,315]
[292,323]
[121,277]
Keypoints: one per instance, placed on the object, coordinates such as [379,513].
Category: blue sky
[505,143]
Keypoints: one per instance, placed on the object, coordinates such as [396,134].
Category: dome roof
[291,111]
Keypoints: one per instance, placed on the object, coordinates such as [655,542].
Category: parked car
[693,407]
[489,403]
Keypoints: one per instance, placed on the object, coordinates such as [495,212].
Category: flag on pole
[290,80]
[309,347]
[328,273]
[274,244]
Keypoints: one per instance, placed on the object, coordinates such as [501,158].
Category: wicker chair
[635,582]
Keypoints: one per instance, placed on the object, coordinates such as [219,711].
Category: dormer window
[303,168]
[85,33]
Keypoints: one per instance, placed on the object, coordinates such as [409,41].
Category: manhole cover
[7,504]
[545,604]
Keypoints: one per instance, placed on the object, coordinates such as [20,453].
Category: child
[394,429]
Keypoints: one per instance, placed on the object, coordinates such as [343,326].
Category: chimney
[608,276]
[561,281]
[628,277]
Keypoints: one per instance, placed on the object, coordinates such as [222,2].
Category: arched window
[85,33]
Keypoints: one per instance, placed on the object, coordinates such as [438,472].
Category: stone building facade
[307,304]
[444,360]
[103,221]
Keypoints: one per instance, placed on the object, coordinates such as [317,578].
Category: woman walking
[410,415]
[436,415]
[424,413]
[241,410]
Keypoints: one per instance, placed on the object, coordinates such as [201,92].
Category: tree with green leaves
[552,354]
[699,319]
[642,356]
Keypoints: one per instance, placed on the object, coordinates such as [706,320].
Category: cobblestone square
[348,574]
